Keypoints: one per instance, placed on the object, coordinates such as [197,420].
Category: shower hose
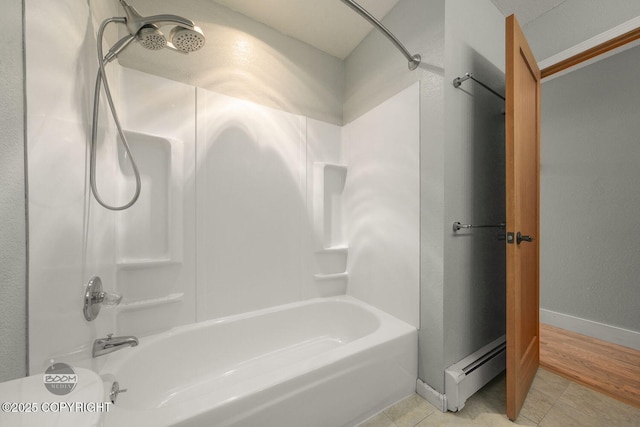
[101,78]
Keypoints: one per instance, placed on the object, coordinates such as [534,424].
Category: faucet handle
[109,336]
[95,297]
[111,299]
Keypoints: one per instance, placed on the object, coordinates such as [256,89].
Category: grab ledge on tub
[331,276]
[151,302]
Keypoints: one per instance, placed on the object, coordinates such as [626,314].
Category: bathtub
[322,362]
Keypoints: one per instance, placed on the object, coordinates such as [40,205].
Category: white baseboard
[592,329]
[431,395]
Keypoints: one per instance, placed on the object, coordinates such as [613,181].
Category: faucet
[110,344]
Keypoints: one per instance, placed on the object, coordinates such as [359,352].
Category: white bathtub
[323,362]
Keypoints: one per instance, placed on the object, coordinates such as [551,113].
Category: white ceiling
[526,10]
[333,27]
[328,25]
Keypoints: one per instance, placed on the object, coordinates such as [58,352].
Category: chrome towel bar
[457,226]
[459,80]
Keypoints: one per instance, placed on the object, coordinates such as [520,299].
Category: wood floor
[607,368]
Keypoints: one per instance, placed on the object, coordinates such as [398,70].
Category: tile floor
[552,402]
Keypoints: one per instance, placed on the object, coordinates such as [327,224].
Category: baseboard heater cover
[469,375]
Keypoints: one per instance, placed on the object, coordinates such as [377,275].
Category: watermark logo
[60,379]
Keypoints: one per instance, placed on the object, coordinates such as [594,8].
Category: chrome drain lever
[115,391]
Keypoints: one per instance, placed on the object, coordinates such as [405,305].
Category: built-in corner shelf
[151,302]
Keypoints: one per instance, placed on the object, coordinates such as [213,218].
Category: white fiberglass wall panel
[252,222]
[382,205]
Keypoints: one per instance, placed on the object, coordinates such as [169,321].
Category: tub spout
[110,344]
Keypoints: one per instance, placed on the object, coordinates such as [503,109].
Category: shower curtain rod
[458,81]
[414,60]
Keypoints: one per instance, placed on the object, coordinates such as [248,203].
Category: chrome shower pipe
[414,60]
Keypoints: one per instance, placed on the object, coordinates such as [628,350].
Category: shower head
[185,37]
[151,38]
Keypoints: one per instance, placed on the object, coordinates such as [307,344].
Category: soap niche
[329,180]
[149,233]
[330,260]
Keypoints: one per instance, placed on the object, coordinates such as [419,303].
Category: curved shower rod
[414,60]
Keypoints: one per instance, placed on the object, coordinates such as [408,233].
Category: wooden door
[523,194]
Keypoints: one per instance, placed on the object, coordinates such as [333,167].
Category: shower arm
[165,19]
[414,60]
[135,22]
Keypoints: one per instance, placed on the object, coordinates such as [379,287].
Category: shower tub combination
[322,362]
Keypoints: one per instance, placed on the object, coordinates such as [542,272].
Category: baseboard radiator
[470,374]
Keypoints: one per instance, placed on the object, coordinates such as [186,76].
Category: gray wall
[474,261]
[590,198]
[13,281]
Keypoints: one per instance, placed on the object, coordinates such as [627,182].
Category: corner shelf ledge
[132,264]
[333,276]
[333,249]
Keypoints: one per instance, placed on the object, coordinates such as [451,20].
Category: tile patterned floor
[552,402]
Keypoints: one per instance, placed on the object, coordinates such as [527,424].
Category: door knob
[522,238]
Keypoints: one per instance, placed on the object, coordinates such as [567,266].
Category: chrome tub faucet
[107,345]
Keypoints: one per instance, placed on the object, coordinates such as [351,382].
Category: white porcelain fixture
[295,364]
